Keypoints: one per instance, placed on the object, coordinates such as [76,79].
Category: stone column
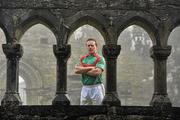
[62,54]
[160,55]
[13,53]
[110,53]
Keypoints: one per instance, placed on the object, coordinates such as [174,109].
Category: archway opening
[77,41]
[2,65]
[135,67]
[173,68]
[22,90]
[38,65]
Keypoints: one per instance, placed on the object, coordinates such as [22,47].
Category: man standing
[91,67]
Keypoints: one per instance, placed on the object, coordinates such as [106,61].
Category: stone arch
[77,50]
[93,19]
[39,55]
[134,67]
[2,61]
[173,83]
[34,17]
[3,29]
[3,26]
[175,22]
[30,75]
[144,21]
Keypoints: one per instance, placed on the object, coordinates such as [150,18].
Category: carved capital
[160,53]
[12,51]
[111,51]
[62,52]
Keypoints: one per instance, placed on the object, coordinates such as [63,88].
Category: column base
[160,101]
[61,99]
[11,99]
[111,99]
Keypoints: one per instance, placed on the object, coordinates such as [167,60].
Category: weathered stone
[157,17]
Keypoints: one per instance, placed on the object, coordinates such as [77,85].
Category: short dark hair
[92,39]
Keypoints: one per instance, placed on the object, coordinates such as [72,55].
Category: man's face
[91,46]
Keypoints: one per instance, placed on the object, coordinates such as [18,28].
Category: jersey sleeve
[101,63]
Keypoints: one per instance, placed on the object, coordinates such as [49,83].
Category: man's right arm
[80,69]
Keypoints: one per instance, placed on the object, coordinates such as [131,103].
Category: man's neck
[92,53]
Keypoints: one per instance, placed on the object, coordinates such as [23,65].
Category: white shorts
[92,94]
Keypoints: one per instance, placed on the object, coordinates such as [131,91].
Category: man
[91,67]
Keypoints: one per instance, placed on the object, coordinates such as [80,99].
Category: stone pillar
[160,96]
[62,54]
[110,53]
[13,53]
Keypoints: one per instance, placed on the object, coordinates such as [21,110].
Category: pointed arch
[175,22]
[93,19]
[31,76]
[7,28]
[143,21]
[3,29]
[35,17]
[173,83]
[134,67]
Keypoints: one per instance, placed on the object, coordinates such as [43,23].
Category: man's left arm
[98,69]
[94,72]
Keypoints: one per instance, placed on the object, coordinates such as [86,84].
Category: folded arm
[80,69]
[94,72]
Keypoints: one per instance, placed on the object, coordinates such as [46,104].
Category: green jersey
[92,80]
